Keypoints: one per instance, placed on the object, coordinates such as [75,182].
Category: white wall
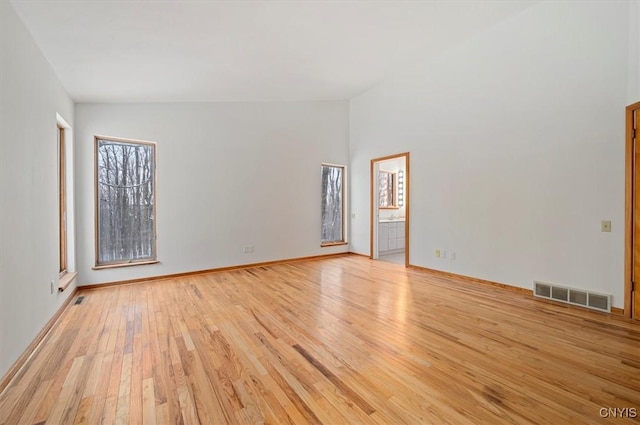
[517,148]
[228,175]
[634,52]
[31,98]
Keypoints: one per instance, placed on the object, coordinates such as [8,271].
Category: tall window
[62,201]
[332,204]
[125,201]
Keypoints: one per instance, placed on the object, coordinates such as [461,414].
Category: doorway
[632,214]
[389,209]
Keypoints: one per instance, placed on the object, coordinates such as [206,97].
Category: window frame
[63,263]
[343,239]
[130,262]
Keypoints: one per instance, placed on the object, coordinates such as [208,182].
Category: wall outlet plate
[437,253]
[605,226]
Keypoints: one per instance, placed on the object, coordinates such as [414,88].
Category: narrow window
[125,202]
[62,201]
[332,205]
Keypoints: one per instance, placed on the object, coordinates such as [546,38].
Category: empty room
[319,212]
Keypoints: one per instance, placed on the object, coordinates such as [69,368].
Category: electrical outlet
[437,253]
[605,226]
[246,249]
[353,216]
[452,255]
[444,253]
[51,287]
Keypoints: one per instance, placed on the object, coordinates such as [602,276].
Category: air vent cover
[543,290]
[592,300]
[600,302]
[560,294]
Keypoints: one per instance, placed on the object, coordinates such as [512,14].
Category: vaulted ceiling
[189,51]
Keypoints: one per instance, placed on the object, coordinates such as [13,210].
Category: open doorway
[389,217]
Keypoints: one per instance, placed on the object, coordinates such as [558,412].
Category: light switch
[606,226]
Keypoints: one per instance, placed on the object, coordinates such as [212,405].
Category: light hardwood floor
[338,341]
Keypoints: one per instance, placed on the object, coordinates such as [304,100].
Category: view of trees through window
[332,204]
[62,201]
[125,179]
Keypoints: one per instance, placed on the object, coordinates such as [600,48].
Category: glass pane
[332,214]
[126,230]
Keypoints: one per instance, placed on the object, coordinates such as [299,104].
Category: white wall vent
[592,300]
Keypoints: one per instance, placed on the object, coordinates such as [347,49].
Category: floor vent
[593,300]
[79,300]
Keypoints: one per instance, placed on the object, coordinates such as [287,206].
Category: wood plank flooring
[338,341]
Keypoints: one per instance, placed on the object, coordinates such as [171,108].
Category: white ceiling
[186,51]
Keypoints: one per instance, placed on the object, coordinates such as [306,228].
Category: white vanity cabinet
[383,237]
[390,236]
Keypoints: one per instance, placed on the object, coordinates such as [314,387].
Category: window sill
[133,263]
[322,245]
[66,280]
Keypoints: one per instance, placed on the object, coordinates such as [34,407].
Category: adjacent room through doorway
[390,208]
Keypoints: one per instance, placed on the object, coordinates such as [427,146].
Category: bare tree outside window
[62,200]
[125,201]
[332,204]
